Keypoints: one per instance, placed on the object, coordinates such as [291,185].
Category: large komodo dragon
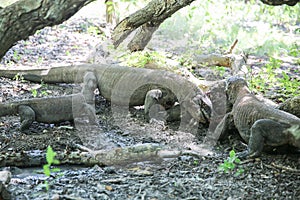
[52,109]
[129,87]
[258,123]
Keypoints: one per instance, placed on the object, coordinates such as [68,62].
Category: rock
[5,176]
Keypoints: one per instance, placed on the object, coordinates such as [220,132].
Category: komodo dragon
[54,109]
[130,86]
[48,110]
[258,123]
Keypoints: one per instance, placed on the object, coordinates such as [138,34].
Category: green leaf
[55,170]
[237,160]
[55,162]
[50,155]
[47,171]
[232,153]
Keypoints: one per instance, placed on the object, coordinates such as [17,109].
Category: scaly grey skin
[129,86]
[54,109]
[47,110]
[258,123]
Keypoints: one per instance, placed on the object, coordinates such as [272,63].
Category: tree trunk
[20,20]
[149,18]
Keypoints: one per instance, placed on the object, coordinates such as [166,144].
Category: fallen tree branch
[281,167]
[87,157]
[214,60]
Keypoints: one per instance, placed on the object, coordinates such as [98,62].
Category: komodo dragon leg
[27,117]
[88,88]
[221,131]
[265,132]
[152,107]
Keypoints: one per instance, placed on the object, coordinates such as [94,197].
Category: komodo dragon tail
[64,74]
[8,109]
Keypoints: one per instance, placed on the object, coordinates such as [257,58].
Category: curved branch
[280,2]
[153,14]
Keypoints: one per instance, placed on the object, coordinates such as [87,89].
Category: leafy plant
[34,92]
[230,164]
[18,77]
[141,59]
[50,158]
[43,92]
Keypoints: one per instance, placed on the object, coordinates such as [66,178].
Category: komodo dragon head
[234,86]
[199,107]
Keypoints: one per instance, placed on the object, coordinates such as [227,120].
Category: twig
[281,167]
[232,47]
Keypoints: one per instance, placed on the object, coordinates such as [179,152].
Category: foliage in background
[272,76]
[260,28]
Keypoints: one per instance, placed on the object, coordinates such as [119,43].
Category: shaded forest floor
[273,176]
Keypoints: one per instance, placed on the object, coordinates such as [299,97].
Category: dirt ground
[272,176]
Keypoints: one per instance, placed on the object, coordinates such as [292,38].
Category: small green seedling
[50,158]
[18,77]
[230,164]
[34,92]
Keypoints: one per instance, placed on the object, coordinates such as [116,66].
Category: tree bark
[280,2]
[20,20]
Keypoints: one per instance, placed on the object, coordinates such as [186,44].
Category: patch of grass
[42,91]
[271,76]
[16,56]
[146,59]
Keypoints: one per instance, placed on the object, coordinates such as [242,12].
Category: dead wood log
[23,18]
[87,157]
[215,60]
